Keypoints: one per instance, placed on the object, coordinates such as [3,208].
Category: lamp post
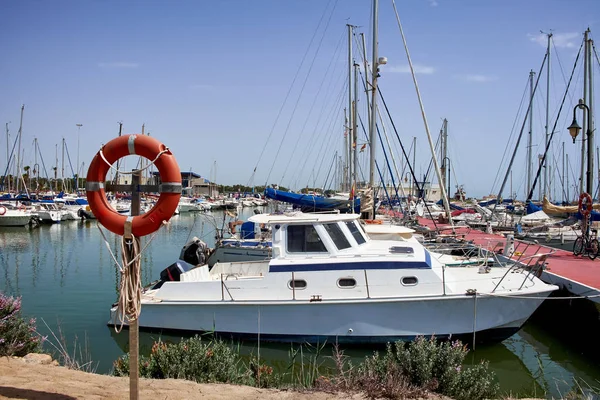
[574,129]
[78,129]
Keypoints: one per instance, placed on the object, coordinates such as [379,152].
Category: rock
[37,358]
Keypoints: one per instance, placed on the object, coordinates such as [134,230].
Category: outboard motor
[195,252]
[173,272]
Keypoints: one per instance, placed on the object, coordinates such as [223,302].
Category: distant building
[192,184]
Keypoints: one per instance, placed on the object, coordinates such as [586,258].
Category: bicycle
[590,245]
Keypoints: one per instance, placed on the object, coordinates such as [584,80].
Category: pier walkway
[577,274]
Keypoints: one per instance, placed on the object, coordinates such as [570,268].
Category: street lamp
[574,129]
[78,129]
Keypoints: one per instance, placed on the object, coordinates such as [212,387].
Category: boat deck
[577,274]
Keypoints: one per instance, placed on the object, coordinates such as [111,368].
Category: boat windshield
[304,239]
[339,239]
[354,230]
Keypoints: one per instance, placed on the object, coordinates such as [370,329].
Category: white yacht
[11,215]
[328,280]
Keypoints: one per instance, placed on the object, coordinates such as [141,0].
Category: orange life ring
[2,210]
[373,221]
[585,204]
[170,187]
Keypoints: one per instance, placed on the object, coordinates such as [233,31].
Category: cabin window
[304,239]
[297,284]
[338,236]
[409,280]
[347,283]
[355,232]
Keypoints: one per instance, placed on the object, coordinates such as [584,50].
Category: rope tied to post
[130,285]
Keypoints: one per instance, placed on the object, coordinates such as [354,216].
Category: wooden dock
[577,274]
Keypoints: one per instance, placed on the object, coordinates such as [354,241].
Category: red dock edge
[577,274]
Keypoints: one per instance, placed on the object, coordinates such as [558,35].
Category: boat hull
[15,220]
[350,321]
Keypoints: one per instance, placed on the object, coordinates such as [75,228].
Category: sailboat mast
[546,189]
[344,169]
[530,137]
[56,166]
[117,173]
[366,68]
[19,149]
[373,126]
[444,153]
[563,169]
[355,129]
[350,122]
[567,162]
[589,101]
[7,155]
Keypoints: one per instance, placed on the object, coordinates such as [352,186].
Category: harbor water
[67,278]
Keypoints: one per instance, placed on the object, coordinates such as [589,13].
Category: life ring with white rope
[2,210]
[585,204]
[170,187]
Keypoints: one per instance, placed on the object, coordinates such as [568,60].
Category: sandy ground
[20,379]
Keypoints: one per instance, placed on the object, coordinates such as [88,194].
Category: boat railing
[225,288]
[525,263]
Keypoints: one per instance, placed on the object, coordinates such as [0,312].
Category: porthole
[409,280]
[346,283]
[297,284]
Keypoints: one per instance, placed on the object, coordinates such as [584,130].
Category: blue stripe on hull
[344,266]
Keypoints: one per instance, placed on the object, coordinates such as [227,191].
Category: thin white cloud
[562,40]
[433,3]
[405,69]
[478,78]
[118,64]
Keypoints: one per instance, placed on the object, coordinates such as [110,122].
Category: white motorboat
[10,215]
[188,204]
[327,280]
[48,212]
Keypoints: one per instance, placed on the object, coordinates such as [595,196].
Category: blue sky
[209,78]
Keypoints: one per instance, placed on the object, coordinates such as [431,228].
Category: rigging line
[335,155]
[512,159]
[292,85]
[328,113]
[330,120]
[332,135]
[512,130]
[312,106]
[530,195]
[301,92]
[389,145]
[388,162]
[420,189]
[424,117]
[596,53]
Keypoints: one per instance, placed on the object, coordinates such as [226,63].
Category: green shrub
[435,366]
[191,359]
[17,336]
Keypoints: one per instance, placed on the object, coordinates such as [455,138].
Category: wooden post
[134,331]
